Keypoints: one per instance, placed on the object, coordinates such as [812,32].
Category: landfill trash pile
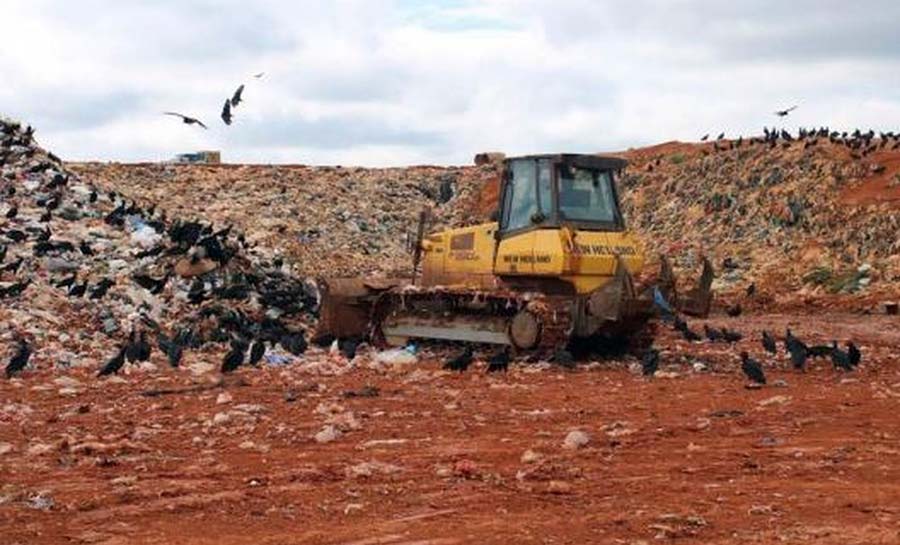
[795,217]
[324,221]
[88,274]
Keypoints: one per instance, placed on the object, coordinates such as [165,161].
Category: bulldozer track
[553,314]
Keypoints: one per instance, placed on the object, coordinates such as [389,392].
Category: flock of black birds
[215,295]
[498,362]
[798,351]
[861,144]
[226,115]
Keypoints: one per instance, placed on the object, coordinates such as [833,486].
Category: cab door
[526,207]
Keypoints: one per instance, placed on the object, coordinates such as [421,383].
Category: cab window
[521,195]
[586,195]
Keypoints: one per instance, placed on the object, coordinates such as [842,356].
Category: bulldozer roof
[601,162]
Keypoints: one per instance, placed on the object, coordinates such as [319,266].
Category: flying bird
[752,369]
[19,359]
[226,112]
[704,137]
[259,75]
[187,120]
[236,98]
[784,113]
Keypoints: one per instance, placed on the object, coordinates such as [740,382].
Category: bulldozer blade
[697,301]
[346,307]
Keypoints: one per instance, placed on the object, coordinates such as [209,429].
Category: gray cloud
[330,132]
[396,81]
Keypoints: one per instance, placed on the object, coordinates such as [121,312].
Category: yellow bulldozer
[557,264]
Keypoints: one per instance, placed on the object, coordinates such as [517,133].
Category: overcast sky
[391,82]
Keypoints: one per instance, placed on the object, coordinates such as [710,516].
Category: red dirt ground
[688,457]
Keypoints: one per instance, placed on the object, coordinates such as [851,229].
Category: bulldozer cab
[550,191]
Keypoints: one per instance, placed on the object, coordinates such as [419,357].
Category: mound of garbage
[801,216]
[86,274]
[324,221]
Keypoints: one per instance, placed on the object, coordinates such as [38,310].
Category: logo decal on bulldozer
[602,249]
[527,258]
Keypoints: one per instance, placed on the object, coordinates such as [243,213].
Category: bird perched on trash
[151,284]
[731,336]
[78,290]
[85,248]
[235,357]
[799,353]
[186,119]
[19,359]
[257,351]
[12,266]
[650,362]
[499,361]
[839,358]
[792,343]
[236,98]
[16,289]
[734,311]
[137,348]
[785,112]
[171,348]
[819,351]
[712,333]
[461,362]
[680,325]
[12,212]
[16,235]
[768,342]
[690,335]
[114,364]
[99,290]
[853,353]
[752,369]
[226,112]
[295,343]
[751,289]
[348,347]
